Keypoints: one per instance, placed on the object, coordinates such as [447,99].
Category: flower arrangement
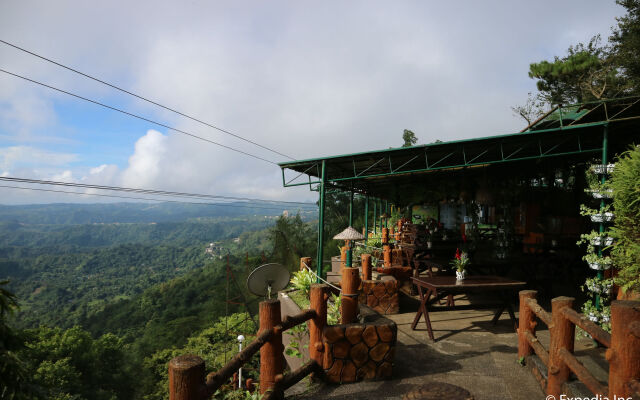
[460,263]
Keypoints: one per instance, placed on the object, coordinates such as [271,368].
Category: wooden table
[429,286]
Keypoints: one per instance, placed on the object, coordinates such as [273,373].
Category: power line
[137,116]
[149,191]
[139,198]
[143,98]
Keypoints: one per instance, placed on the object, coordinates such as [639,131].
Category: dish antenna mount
[268,278]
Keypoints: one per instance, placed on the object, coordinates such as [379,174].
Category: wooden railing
[623,343]
[186,373]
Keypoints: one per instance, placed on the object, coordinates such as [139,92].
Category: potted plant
[460,263]
[597,262]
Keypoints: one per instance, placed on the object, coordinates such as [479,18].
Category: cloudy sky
[307,79]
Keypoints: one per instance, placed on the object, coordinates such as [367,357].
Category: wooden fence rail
[623,353]
[186,373]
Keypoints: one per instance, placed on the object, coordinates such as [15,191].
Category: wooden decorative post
[186,378]
[349,286]
[527,322]
[387,255]
[366,266]
[562,333]
[343,257]
[271,358]
[318,299]
[303,261]
[624,353]
[385,236]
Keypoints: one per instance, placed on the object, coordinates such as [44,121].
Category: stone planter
[363,351]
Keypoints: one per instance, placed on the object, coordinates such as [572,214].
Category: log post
[527,323]
[624,354]
[343,257]
[366,267]
[303,261]
[271,358]
[385,236]
[387,255]
[318,299]
[562,333]
[349,297]
[186,378]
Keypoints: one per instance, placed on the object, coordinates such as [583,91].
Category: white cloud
[14,157]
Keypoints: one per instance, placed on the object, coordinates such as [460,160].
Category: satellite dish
[267,278]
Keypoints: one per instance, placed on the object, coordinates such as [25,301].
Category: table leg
[423,299]
[426,313]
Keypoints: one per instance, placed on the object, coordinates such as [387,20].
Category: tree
[532,109]
[587,72]
[409,138]
[12,370]
[625,38]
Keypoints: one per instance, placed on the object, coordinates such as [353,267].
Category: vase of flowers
[460,263]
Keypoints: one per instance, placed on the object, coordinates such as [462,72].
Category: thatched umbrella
[349,235]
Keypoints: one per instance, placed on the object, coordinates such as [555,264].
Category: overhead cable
[143,98]
[149,191]
[141,198]
[137,116]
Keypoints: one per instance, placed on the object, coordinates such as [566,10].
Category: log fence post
[303,261]
[387,255]
[186,378]
[349,295]
[271,357]
[318,297]
[624,353]
[527,323]
[366,266]
[562,332]
[385,236]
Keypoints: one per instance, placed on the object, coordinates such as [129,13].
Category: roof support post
[321,193]
[386,210]
[375,216]
[366,218]
[351,206]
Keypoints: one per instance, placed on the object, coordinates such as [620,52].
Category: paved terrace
[469,352]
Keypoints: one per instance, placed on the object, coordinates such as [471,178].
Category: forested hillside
[100,303]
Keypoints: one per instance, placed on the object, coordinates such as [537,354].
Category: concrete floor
[469,351]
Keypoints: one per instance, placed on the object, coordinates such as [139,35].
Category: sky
[308,79]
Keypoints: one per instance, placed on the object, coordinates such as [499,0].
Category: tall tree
[626,44]
[12,370]
[409,138]
[587,72]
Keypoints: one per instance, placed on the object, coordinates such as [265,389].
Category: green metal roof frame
[565,133]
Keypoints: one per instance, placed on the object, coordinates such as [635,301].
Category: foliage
[625,253]
[626,44]
[333,310]
[302,281]
[533,108]
[585,73]
[70,364]
[461,261]
[409,138]
[295,345]
[13,374]
[215,345]
[292,239]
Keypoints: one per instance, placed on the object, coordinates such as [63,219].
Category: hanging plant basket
[606,217]
[602,241]
[600,264]
[602,194]
[602,169]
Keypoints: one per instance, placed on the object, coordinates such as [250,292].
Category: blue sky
[307,78]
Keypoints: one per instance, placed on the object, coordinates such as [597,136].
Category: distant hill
[132,212]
